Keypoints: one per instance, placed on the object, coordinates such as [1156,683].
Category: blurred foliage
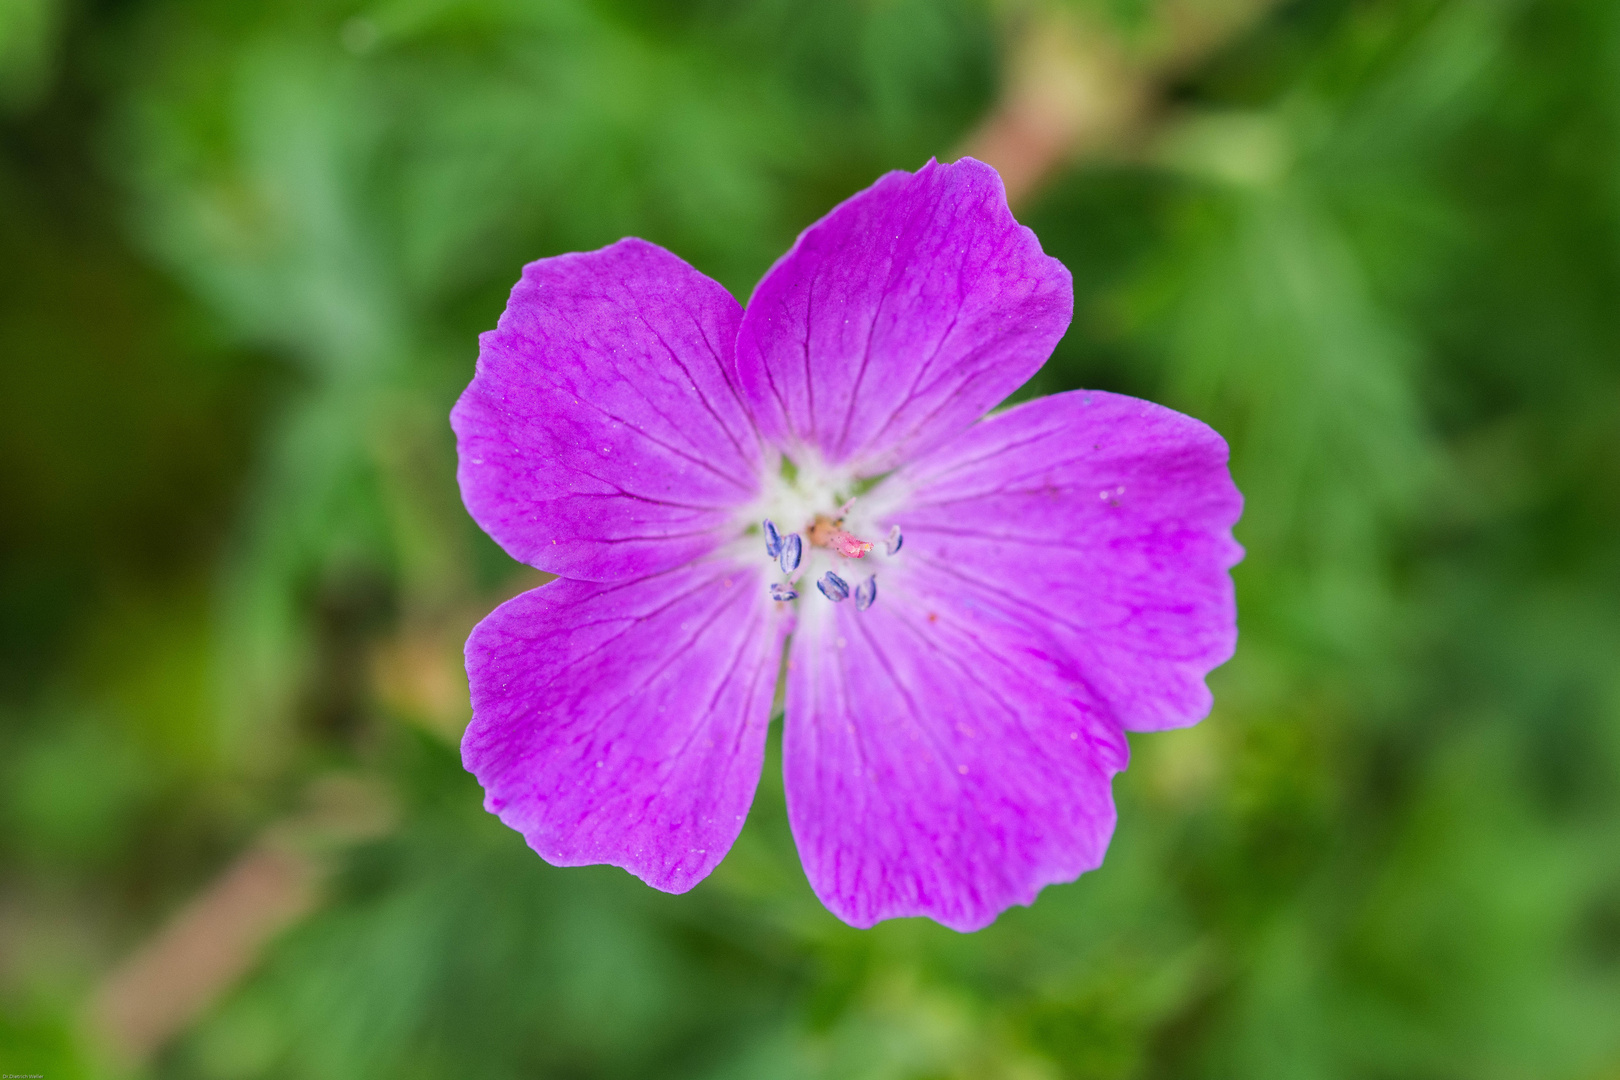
[245,250]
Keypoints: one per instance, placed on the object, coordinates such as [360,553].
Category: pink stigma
[845,544]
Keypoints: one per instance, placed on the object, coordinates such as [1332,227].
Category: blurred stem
[209,944]
[1079,85]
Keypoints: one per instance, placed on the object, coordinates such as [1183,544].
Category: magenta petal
[602,437]
[625,723]
[1101,522]
[936,769]
[899,318]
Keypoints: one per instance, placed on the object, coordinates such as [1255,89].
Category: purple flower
[949,740]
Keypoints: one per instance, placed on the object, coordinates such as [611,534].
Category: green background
[245,250]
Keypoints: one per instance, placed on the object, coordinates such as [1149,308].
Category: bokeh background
[245,250]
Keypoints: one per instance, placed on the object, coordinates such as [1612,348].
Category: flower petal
[625,723]
[1104,524]
[602,437]
[933,767]
[895,321]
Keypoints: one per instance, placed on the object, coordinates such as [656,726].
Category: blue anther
[866,593]
[783,592]
[833,587]
[892,544]
[773,539]
[792,551]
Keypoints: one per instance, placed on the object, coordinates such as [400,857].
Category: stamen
[866,593]
[850,546]
[892,544]
[783,592]
[833,587]
[773,539]
[792,551]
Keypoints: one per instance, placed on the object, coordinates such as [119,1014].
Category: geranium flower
[973,611]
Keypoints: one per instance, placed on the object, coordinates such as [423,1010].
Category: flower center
[811,528]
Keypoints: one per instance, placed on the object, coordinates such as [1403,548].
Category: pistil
[829,533]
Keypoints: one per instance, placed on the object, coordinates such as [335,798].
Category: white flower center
[822,536]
